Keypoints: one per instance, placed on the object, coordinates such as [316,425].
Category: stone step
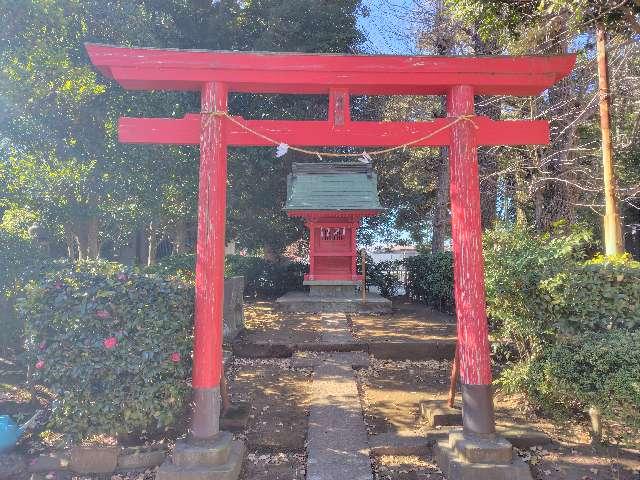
[307,359]
[437,349]
[438,413]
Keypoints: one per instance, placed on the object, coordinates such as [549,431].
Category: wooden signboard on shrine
[216,74]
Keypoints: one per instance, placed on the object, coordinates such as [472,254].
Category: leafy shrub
[20,261]
[114,345]
[598,295]
[263,278]
[430,280]
[383,275]
[516,262]
[182,266]
[599,369]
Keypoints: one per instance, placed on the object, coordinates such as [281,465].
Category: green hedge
[263,278]
[430,280]
[114,346]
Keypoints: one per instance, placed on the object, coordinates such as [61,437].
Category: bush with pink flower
[114,345]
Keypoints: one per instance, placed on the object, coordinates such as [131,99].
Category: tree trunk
[93,250]
[153,243]
[441,217]
[70,241]
[520,197]
[180,239]
[555,197]
[82,238]
[444,45]
[487,160]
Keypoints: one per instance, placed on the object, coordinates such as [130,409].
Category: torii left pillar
[212,193]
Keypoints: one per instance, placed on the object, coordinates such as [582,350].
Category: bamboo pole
[612,224]
[455,373]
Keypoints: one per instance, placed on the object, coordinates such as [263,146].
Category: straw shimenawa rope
[461,118]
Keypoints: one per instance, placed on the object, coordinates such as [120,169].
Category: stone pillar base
[219,458]
[479,457]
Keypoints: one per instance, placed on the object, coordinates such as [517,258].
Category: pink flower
[42,345]
[103,314]
[40,364]
[58,285]
[110,342]
[175,357]
[122,277]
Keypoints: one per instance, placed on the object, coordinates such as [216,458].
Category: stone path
[337,445]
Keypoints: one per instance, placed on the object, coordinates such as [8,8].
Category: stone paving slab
[337,438]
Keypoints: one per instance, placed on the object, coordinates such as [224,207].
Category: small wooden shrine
[332,198]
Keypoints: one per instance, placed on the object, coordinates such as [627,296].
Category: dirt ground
[392,391]
[409,322]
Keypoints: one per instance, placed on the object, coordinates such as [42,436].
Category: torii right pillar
[466,233]
[475,452]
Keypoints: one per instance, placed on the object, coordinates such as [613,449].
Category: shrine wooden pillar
[466,233]
[212,197]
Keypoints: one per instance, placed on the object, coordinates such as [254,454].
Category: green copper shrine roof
[332,186]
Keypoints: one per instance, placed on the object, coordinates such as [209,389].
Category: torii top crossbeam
[266,72]
[215,74]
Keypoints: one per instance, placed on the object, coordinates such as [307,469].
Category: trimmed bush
[430,280]
[114,346]
[266,279]
[263,278]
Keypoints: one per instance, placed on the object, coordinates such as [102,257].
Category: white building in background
[382,253]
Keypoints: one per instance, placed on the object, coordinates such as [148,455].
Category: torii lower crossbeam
[216,74]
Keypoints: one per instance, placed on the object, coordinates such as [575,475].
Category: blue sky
[388,20]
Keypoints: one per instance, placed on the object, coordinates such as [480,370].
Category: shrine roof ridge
[316,168]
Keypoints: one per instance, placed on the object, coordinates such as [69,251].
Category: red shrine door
[216,74]
[332,250]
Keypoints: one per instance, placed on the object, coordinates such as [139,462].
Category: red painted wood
[186,131]
[466,233]
[153,69]
[212,195]
[339,107]
[332,242]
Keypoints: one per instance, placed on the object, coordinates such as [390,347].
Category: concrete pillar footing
[465,456]
[219,458]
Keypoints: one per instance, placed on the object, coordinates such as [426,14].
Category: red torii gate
[214,74]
